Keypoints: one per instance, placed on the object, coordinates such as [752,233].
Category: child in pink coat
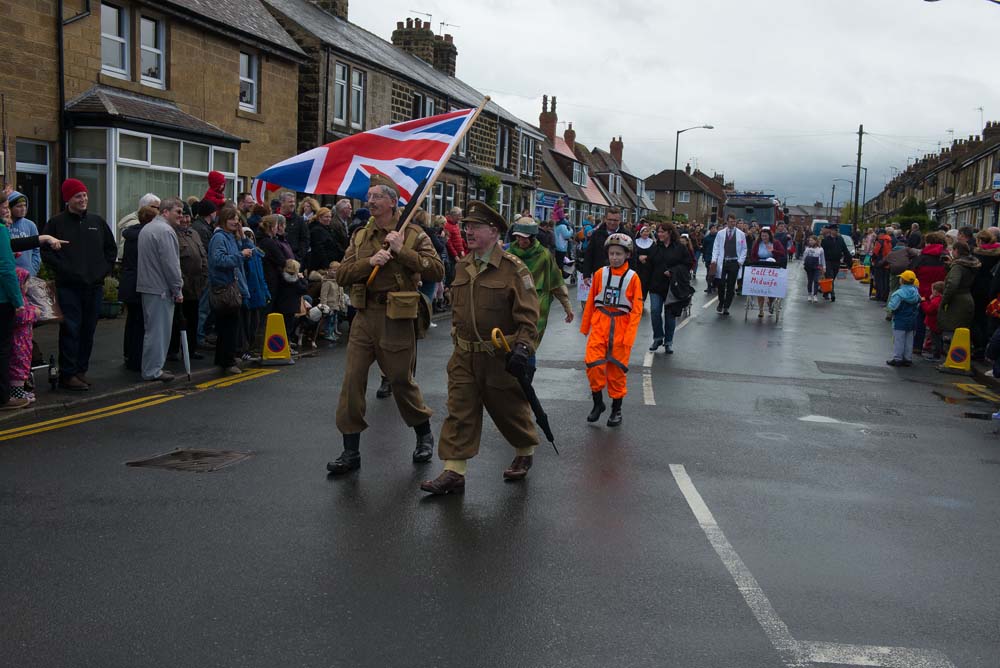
[21,348]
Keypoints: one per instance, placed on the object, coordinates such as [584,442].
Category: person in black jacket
[669,284]
[836,254]
[296,230]
[324,247]
[135,327]
[596,255]
[80,266]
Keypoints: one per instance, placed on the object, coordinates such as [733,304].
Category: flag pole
[428,183]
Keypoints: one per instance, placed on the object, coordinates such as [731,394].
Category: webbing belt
[610,359]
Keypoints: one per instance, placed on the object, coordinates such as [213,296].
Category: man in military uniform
[491,289]
[384,328]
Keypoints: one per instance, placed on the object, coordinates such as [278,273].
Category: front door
[35,187]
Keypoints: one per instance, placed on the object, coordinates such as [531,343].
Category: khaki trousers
[477,381]
[393,344]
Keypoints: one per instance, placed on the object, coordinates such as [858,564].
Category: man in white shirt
[729,252]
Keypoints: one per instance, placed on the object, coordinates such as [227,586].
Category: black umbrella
[529,392]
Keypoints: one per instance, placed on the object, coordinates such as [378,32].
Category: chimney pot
[449,39]
[399,25]
[417,23]
[553,104]
[409,23]
[547,119]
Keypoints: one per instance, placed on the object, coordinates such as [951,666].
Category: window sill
[113,81]
[249,115]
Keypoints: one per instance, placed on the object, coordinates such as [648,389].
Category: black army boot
[615,418]
[384,389]
[599,407]
[350,459]
[425,443]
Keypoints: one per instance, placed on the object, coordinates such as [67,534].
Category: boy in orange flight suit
[610,321]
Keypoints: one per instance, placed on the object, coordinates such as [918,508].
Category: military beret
[480,212]
[383,180]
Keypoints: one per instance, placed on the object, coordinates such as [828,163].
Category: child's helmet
[619,239]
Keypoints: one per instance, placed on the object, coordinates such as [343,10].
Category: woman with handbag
[228,285]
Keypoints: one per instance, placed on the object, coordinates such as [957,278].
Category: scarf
[546,275]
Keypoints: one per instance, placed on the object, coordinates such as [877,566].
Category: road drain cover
[192,460]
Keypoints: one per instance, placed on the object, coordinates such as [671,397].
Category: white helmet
[619,239]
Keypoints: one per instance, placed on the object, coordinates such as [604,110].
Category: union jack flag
[406,152]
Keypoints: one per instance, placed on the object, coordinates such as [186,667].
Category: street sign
[996,195]
[996,181]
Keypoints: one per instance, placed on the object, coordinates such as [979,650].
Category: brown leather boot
[518,468]
[448,482]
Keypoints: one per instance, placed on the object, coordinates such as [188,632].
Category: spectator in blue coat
[225,266]
[255,309]
[31,260]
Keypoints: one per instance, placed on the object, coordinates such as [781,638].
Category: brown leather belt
[478,346]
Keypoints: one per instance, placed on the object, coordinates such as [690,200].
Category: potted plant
[110,306]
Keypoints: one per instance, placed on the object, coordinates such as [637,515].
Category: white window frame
[683,196]
[37,168]
[357,107]
[417,105]
[463,146]
[580,174]
[527,155]
[506,195]
[161,52]
[340,96]
[429,106]
[253,65]
[123,40]
[449,197]
[502,158]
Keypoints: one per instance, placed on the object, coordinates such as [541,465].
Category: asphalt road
[716,527]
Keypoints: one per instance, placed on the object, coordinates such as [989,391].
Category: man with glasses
[384,329]
[729,252]
[596,255]
[159,281]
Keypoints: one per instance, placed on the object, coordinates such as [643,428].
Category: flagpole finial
[488,98]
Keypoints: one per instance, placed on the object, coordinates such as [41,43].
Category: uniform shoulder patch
[526,279]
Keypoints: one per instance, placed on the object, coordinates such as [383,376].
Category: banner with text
[765,281]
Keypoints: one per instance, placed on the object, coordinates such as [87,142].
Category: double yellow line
[78,418]
[125,407]
[980,391]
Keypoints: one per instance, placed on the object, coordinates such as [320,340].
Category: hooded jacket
[930,309]
[216,193]
[929,267]
[905,306]
[957,307]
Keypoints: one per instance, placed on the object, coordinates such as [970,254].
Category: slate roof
[664,181]
[710,184]
[606,163]
[106,103]
[565,184]
[246,16]
[359,43]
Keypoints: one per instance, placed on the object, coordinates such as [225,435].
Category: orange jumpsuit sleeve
[634,295]
[588,310]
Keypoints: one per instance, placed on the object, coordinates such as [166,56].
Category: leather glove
[517,360]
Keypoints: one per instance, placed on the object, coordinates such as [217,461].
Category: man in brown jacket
[384,328]
[491,289]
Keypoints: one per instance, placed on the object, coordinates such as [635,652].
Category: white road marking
[794,653]
[775,629]
[871,655]
[647,388]
[822,419]
[647,361]
[685,323]
[710,302]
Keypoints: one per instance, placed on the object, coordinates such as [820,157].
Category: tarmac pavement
[777,496]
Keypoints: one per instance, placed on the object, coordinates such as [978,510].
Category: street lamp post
[850,198]
[677,141]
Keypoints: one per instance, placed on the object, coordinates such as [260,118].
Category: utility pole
[857,175]
[832,192]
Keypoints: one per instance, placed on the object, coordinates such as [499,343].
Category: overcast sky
[784,82]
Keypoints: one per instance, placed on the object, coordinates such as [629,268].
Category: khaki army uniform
[497,293]
[374,335]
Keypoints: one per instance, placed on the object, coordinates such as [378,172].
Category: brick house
[621,183]
[694,199]
[354,81]
[140,107]
[956,184]
[566,175]
[716,184]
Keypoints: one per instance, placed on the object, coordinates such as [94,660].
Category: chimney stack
[417,39]
[547,119]
[445,54]
[570,136]
[687,169]
[616,150]
[336,7]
